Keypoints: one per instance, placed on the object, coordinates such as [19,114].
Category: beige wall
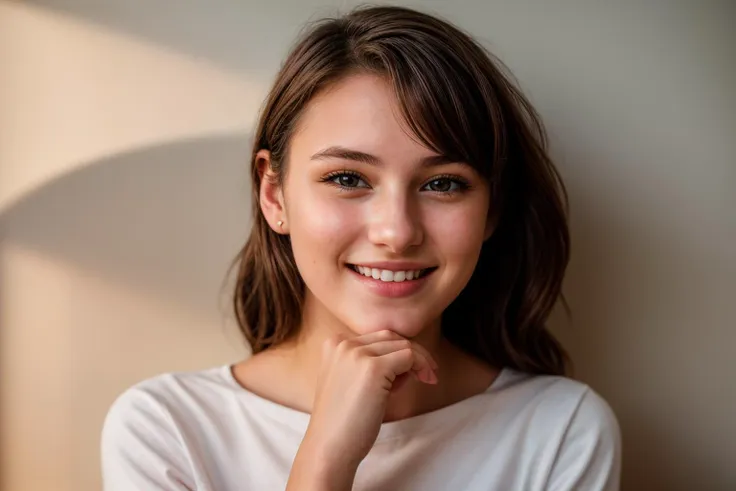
[123,195]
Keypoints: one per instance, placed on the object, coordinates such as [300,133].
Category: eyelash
[462,184]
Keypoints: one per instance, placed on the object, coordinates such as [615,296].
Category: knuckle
[356,353]
[329,348]
[387,334]
[405,344]
[331,342]
[373,368]
[407,354]
[345,347]
[405,357]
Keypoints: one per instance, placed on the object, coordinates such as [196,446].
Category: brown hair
[456,100]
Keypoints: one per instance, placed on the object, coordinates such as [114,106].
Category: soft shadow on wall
[113,273]
[164,220]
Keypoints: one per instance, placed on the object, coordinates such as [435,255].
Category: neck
[305,351]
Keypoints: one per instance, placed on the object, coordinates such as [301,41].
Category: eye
[346,180]
[446,185]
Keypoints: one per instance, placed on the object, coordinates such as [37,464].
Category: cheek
[459,231]
[320,227]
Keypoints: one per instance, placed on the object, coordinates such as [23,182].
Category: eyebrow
[342,153]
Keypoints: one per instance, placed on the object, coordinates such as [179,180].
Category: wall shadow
[166,220]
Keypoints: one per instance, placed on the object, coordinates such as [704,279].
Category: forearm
[314,471]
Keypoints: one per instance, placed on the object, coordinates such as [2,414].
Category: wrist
[318,468]
[326,458]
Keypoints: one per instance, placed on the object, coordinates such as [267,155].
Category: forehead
[359,112]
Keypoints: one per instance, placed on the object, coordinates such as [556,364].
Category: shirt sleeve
[589,458]
[141,447]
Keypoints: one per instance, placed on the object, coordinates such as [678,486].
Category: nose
[394,222]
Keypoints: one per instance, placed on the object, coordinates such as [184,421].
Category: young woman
[408,244]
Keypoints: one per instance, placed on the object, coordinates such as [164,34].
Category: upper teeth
[388,275]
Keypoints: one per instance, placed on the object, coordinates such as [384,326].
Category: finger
[422,366]
[374,337]
[385,347]
[426,354]
[388,335]
[406,360]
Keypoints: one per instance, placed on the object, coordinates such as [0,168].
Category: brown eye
[441,185]
[347,180]
[447,185]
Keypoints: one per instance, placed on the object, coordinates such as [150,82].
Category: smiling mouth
[389,276]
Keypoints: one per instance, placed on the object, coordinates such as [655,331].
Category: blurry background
[124,139]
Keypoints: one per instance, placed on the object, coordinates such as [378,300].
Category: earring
[280,223]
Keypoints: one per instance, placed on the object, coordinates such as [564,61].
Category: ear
[271,196]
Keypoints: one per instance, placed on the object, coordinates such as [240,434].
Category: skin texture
[362,358]
[393,219]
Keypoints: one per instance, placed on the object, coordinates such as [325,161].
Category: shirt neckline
[299,420]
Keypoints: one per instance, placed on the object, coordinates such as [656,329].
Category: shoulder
[555,396]
[580,430]
[159,398]
[144,439]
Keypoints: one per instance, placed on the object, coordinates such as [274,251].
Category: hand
[356,380]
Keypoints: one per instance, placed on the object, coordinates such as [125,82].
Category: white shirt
[203,431]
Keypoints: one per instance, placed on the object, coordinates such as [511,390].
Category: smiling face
[385,232]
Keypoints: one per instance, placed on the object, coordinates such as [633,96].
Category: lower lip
[392,289]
